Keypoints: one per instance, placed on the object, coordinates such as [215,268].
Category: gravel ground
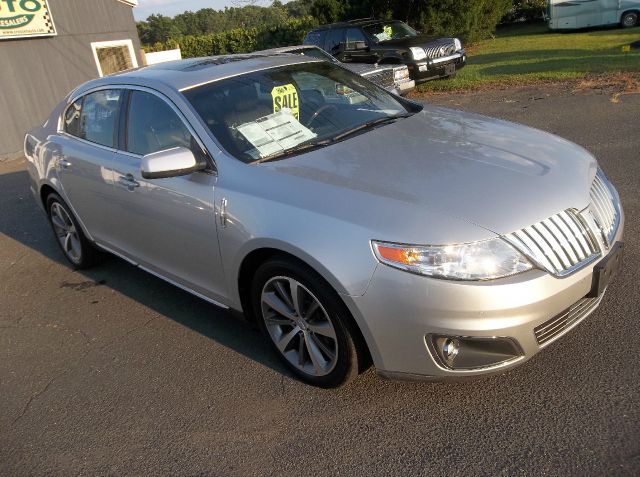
[114,372]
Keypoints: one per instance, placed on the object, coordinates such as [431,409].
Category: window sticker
[286,96]
[275,133]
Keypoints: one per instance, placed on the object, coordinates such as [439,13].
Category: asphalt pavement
[114,372]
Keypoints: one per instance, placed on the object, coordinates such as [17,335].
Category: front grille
[560,244]
[384,78]
[604,207]
[560,324]
[440,51]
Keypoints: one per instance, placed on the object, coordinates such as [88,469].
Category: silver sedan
[353,226]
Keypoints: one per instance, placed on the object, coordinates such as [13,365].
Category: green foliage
[239,40]
[329,11]
[471,20]
[526,10]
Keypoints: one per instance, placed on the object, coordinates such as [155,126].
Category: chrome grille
[560,324]
[560,244]
[440,51]
[384,78]
[604,207]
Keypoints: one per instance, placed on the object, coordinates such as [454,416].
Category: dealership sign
[24,18]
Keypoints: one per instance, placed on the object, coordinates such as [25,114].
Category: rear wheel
[74,244]
[630,19]
[308,326]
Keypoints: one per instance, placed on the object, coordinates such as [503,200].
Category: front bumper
[400,310]
[405,87]
[425,70]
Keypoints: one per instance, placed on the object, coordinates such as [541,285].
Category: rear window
[334,39]
[72,118]
[315,38]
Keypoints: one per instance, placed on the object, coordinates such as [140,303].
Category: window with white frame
[114,56]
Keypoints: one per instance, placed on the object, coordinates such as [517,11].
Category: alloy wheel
[66,232]
[299,326]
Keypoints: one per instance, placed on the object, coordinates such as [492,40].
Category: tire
[314,335]
[629,20]
[75,246]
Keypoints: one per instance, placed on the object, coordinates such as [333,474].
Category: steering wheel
[318,112]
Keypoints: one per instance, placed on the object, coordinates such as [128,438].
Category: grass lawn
[531,53]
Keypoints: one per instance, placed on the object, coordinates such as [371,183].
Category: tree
[329,11]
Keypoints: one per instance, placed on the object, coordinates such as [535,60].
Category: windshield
[273,113]
[385,31]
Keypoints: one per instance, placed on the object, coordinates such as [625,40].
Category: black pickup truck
[383,41]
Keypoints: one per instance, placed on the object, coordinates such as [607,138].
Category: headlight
[401,73]
[418,53]
[485,260]
[458,44]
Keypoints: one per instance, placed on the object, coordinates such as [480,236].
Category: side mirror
[355,45]
[178,161]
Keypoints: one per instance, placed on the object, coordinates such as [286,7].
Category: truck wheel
[630,19]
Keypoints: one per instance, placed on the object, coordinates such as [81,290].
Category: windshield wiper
[292,150]
[320,144]
[369,124]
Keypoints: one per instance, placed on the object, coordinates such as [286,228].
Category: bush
[240,40]
[471,20]
[525,11]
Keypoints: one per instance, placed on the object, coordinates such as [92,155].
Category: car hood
[424,41]
[363,68]
[495,174]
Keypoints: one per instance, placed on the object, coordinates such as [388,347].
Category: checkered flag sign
[25,18]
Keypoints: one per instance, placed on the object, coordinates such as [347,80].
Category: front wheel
[306,323]
[630,19]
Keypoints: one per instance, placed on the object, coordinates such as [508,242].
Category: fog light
[450,350]
[472,353]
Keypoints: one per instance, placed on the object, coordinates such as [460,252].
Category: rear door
[83,152]
[168,226]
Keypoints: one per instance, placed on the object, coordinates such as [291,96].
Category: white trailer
[572,14]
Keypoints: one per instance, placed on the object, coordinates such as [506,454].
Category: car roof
[350,23]
[184,74]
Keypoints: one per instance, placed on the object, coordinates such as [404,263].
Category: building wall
[36,73]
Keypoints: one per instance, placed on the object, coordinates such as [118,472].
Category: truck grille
[604,207]
[384,78]
[560,244]
[440,51]
[560,324]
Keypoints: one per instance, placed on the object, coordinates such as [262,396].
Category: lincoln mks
[354,227]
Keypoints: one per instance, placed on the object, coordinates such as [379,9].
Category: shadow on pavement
[22,220]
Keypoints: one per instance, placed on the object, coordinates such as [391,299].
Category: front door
[167,225]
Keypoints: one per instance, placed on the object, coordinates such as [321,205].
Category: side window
[313,38]
[98,116]
[153,126]
[334,38]
[72,118]
[355,34]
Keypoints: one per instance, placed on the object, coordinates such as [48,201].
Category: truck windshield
[277,112]
[385,31]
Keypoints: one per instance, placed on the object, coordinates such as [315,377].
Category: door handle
[223,212]
[128,181]
[63,163]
